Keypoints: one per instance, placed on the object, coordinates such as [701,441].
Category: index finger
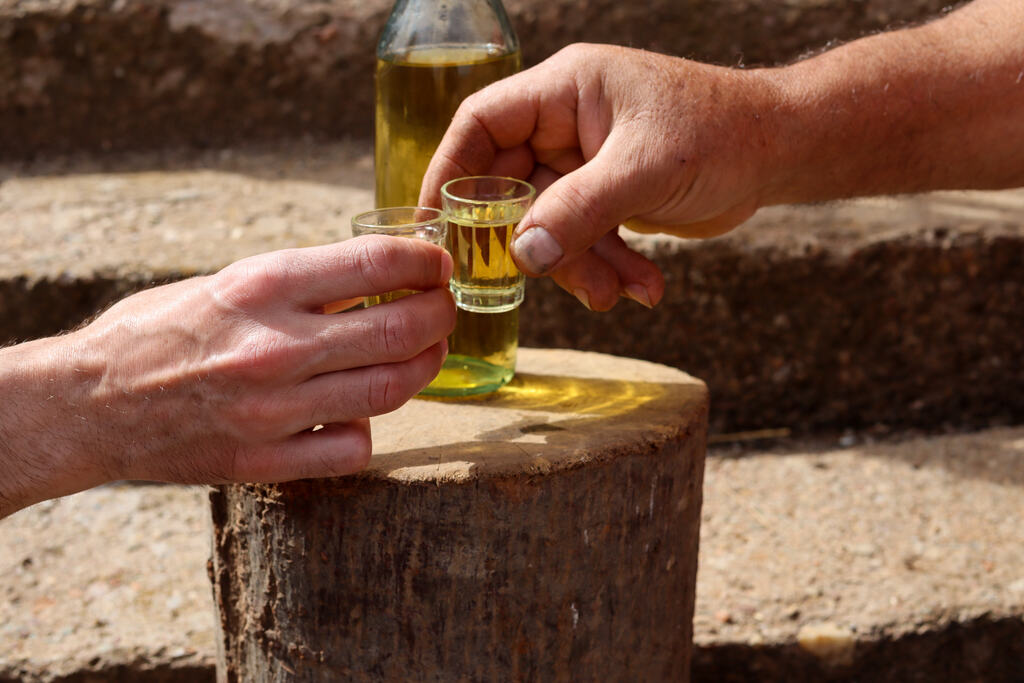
[374,264]
[309,278]
[502,116]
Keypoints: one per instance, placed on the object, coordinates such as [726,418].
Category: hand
[222,378]
[614,136]
[611,135]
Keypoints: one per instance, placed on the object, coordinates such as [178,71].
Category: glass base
[467,376]
[487,299]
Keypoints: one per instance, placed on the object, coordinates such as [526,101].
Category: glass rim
[358,219]
[529,195]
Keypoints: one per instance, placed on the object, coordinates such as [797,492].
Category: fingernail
[444,349]
[638,293]
[536,250]
[584,298]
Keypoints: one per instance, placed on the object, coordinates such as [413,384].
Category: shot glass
[413,222]
[482,213]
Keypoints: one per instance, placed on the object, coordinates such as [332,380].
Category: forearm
[38,459]
[940,106]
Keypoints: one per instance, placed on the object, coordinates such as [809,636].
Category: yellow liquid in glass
[482,349]
[417,95]
[482,356]
[486,279]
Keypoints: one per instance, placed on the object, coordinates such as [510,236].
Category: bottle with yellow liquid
[433,54]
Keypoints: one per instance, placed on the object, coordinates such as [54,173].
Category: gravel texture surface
[841,550]
[113,576]
[176,212]
[811,560]
[193,211]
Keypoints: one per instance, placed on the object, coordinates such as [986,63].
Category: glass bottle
[432,54]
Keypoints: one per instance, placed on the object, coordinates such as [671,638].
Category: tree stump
[546,532]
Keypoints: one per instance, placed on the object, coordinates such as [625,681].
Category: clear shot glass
[413,222]
[482,213]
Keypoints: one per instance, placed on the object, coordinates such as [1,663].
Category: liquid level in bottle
[482,354]
[417,95]
[486,279]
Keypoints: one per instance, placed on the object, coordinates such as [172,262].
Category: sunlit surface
[552,393]
[562,408]
[578,395]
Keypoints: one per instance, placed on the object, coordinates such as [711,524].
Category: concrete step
[900,561]
[882,314]
[874,561]
[126,74]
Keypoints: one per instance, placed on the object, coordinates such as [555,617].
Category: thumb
[572,215]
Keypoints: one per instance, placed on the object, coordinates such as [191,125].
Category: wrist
[777,136]
[42,452]
[837,126]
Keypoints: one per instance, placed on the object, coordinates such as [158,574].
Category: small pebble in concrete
[831,643]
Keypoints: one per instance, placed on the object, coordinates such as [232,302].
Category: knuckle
[464,160]
[573,52]
[470,105]
[579,57]
[385,390]
[375,258]
[398,330]
[255,358]
[314,348]
[581,206]
[253,418]
[392,332]
[252,279]
[360,334]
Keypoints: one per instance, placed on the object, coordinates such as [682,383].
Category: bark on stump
[547,532]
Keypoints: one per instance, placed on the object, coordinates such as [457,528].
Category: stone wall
[131,74]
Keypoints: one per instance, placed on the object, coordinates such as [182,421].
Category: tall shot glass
[482,213]
[413,222]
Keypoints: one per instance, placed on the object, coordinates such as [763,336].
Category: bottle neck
[422,23]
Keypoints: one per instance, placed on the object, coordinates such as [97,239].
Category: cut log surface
[545,532]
